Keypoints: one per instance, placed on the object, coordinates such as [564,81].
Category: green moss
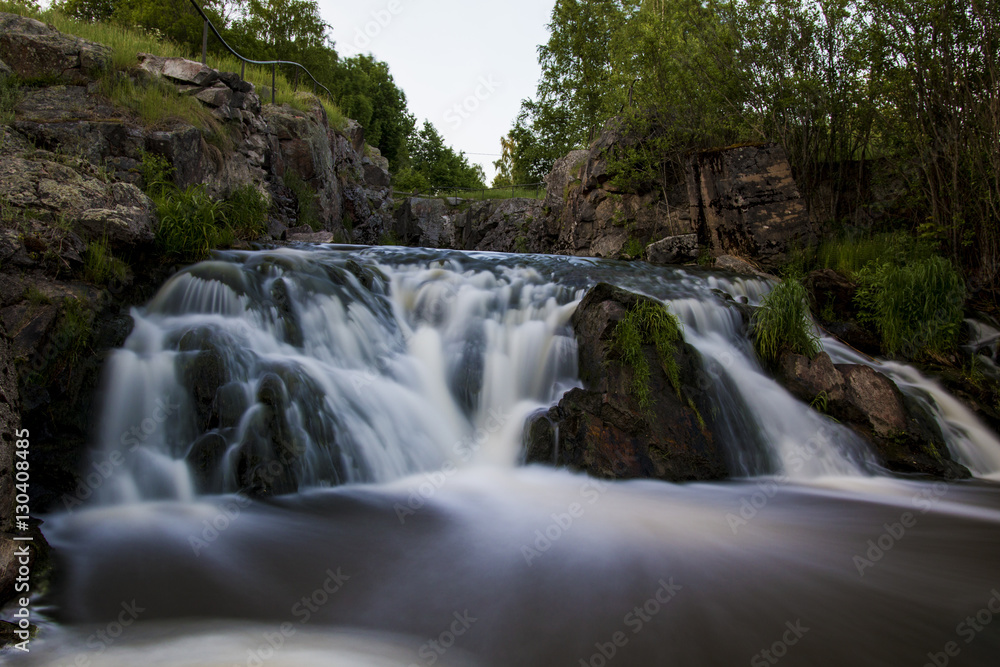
[648,323]
[389,237]
[782,323]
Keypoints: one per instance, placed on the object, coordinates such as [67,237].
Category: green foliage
[101,266]
[634,248]
[305,198]
[367,92]
[851,255]
[157,174]
[917,306]
[648,323]
[433,164]
[10,95]
[782,323]
[191,223]
[245,211]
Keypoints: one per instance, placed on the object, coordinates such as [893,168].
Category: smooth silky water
[416,538]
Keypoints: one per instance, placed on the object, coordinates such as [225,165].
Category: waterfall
[296,368]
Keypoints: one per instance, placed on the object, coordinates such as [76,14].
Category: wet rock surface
[604,430]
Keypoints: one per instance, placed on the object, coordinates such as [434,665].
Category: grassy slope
[125,43]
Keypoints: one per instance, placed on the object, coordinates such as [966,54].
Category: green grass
[100,266]
[125,43]
[305,198]
[245,210]
[782,323]
[850,255]
[192,224]
[917,306]
[648,323]
[10,95]
[37,297]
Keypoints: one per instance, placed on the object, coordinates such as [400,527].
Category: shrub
[648,323]
[782,323]
[917,306]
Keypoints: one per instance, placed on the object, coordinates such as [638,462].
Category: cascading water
[402,379]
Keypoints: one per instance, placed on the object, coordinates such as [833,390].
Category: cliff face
[72,148]
[733,201]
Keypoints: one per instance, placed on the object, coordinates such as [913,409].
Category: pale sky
[465,65]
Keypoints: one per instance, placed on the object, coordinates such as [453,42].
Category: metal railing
[244,60]
[537,190]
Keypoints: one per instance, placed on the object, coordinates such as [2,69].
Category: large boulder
[673,250]
[90,207]
[905,438]
[604,429]
[744,201]
[33,50]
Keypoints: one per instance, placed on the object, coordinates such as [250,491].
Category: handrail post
[204,43]
[274,70]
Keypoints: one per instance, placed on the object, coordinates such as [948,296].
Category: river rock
[603,430]
[905,439]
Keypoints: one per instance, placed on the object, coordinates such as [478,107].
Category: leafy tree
[432,164]
[366,91]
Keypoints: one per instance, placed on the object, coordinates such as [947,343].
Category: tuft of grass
[917,306]
[634,248]
[305,198]
[191,223]
[245,211]
[10,95]
[101,266]
[782,323]
[37,297]
[648,323]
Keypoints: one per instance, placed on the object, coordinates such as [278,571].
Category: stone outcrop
[34,50]
[504,225]
[905,439]
[603,429]
[673,250]
[744,202]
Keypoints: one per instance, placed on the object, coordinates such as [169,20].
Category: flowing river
[407,532]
